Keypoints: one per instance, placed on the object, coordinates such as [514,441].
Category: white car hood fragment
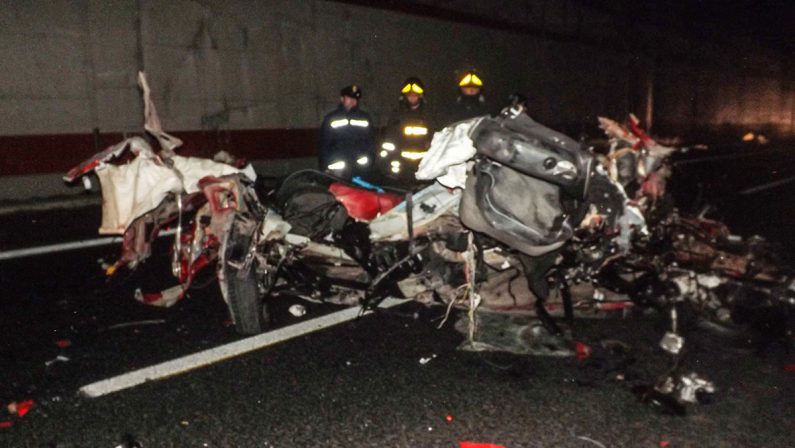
[446,160]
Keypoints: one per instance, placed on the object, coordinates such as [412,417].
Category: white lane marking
[60,247]
[223,352]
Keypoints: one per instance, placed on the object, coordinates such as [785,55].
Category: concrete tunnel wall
[222,73]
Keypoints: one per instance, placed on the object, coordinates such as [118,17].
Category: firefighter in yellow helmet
[470,102]
[408,134]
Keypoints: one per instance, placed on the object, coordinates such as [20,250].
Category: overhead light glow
[383,153]
[389,146]
[363,160]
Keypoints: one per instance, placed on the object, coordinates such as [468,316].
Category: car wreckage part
[239,280]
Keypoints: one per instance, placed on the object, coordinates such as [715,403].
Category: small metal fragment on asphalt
[136,323]
[297,310]
[424,361]
[59,358]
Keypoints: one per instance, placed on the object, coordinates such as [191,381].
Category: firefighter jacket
[409,129]
[346,136]
[469,107]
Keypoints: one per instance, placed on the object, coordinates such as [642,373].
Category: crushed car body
[520,222]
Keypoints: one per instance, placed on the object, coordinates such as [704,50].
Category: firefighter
[347,141]
[471,102]
[408,133]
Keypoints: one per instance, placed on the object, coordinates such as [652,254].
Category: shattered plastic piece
[692,388]
[664,443]
[479,445]
[6,424]
[672,343]
[297,310]
[63,343]
[20,408]
[424,361]
[59,358]
[24,407]
[789,367]
[165,298]
[582,351]
[448,419]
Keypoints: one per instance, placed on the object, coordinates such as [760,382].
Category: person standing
[408,133]
[347,141]
[470,102]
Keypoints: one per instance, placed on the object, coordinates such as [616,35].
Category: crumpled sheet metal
[152,121]
[131,190]
[428,204]
[446,160]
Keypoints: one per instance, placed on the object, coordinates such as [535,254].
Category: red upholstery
[364,205]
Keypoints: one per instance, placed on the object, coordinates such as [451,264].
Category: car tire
[244,296]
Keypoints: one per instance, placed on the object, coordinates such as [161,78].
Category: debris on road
[479,445]
[424,361]
[63,343]
[57,359]
[297,310]
[582,351]
[136,323]
[15,410]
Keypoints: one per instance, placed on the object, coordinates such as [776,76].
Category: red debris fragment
[478,445]
[63,343]
[790,367]
[23,407]
[614,306]
[6,424]
[449,418]
[583,351]
[664,443]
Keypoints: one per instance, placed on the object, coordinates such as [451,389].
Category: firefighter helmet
[412,85]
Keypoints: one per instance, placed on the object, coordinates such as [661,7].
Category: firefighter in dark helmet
[347,141]
[408,133]
[470,102]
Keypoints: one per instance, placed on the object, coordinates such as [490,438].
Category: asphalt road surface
[360,384]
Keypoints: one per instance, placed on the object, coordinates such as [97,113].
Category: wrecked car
[519,220]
